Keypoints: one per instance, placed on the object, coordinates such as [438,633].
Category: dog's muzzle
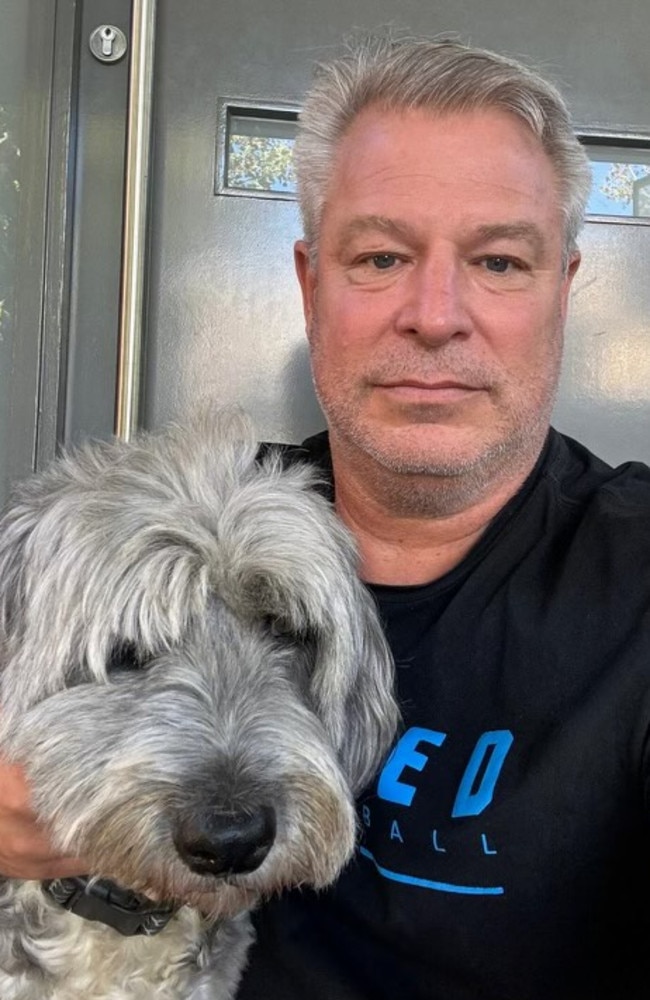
[125,911]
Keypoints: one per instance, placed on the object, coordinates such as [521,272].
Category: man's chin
[427,451]
[438,465]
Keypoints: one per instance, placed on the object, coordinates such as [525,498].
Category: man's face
[436,307]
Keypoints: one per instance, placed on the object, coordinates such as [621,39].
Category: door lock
[108,43]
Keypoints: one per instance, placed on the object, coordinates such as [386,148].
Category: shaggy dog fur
[196,683]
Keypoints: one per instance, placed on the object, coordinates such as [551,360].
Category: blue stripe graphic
[424,883]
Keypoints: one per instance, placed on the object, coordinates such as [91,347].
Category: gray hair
[443,76]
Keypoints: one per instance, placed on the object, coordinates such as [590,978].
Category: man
[503,850]
[503,847]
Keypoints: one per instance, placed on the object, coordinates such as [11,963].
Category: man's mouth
[431,391]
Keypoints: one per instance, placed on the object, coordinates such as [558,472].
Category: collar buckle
[127,912]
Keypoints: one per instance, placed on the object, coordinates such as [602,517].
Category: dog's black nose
[226,843]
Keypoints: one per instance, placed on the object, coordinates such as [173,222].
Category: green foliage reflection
[261,163]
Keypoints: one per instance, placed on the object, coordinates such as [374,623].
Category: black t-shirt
[505,846]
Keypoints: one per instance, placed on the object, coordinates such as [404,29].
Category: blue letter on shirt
[404,755]
[494,746]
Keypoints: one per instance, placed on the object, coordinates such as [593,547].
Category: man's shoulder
[314,450]
[581,477]
[596,519]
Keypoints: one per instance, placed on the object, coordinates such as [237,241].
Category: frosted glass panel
[259,152]
[259,158]
[621,181]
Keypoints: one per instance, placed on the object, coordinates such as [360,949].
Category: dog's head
[193,513]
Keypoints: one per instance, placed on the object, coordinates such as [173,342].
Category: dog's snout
[226,843]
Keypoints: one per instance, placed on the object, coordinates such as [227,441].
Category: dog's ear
[353,679]
[32,510]
[284,547]
[34,530]
[12,583]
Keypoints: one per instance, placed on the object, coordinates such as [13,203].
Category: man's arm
[25,851]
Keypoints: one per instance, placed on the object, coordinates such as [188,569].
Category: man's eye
[383,261]
[499,265]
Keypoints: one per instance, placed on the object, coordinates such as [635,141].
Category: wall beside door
[224,318]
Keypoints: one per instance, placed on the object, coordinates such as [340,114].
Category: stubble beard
[436,483]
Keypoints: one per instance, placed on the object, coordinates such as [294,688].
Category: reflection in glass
[641,196]
[259,157]
[621,181]
[260,151]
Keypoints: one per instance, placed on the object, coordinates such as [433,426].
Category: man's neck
[400,546]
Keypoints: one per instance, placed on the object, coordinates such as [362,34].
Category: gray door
[62,118]
[223,317]
[224,314]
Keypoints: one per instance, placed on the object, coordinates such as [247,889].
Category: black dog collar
[102,900]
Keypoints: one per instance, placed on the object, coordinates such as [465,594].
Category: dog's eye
[282,629]
[125,656]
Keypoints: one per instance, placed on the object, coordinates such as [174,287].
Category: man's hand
[25,851]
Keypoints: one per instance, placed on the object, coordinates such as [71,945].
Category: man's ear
[569,275]
[574,264]
[307,279]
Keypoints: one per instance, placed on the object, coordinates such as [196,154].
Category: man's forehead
[419,140]
[482,163]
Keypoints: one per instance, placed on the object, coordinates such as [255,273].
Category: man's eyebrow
[527,231]
[361,225]
[398,229]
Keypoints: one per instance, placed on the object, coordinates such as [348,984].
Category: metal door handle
[138,151]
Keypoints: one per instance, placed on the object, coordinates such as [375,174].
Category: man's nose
[434,305]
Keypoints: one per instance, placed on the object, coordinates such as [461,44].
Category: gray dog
[196,683]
